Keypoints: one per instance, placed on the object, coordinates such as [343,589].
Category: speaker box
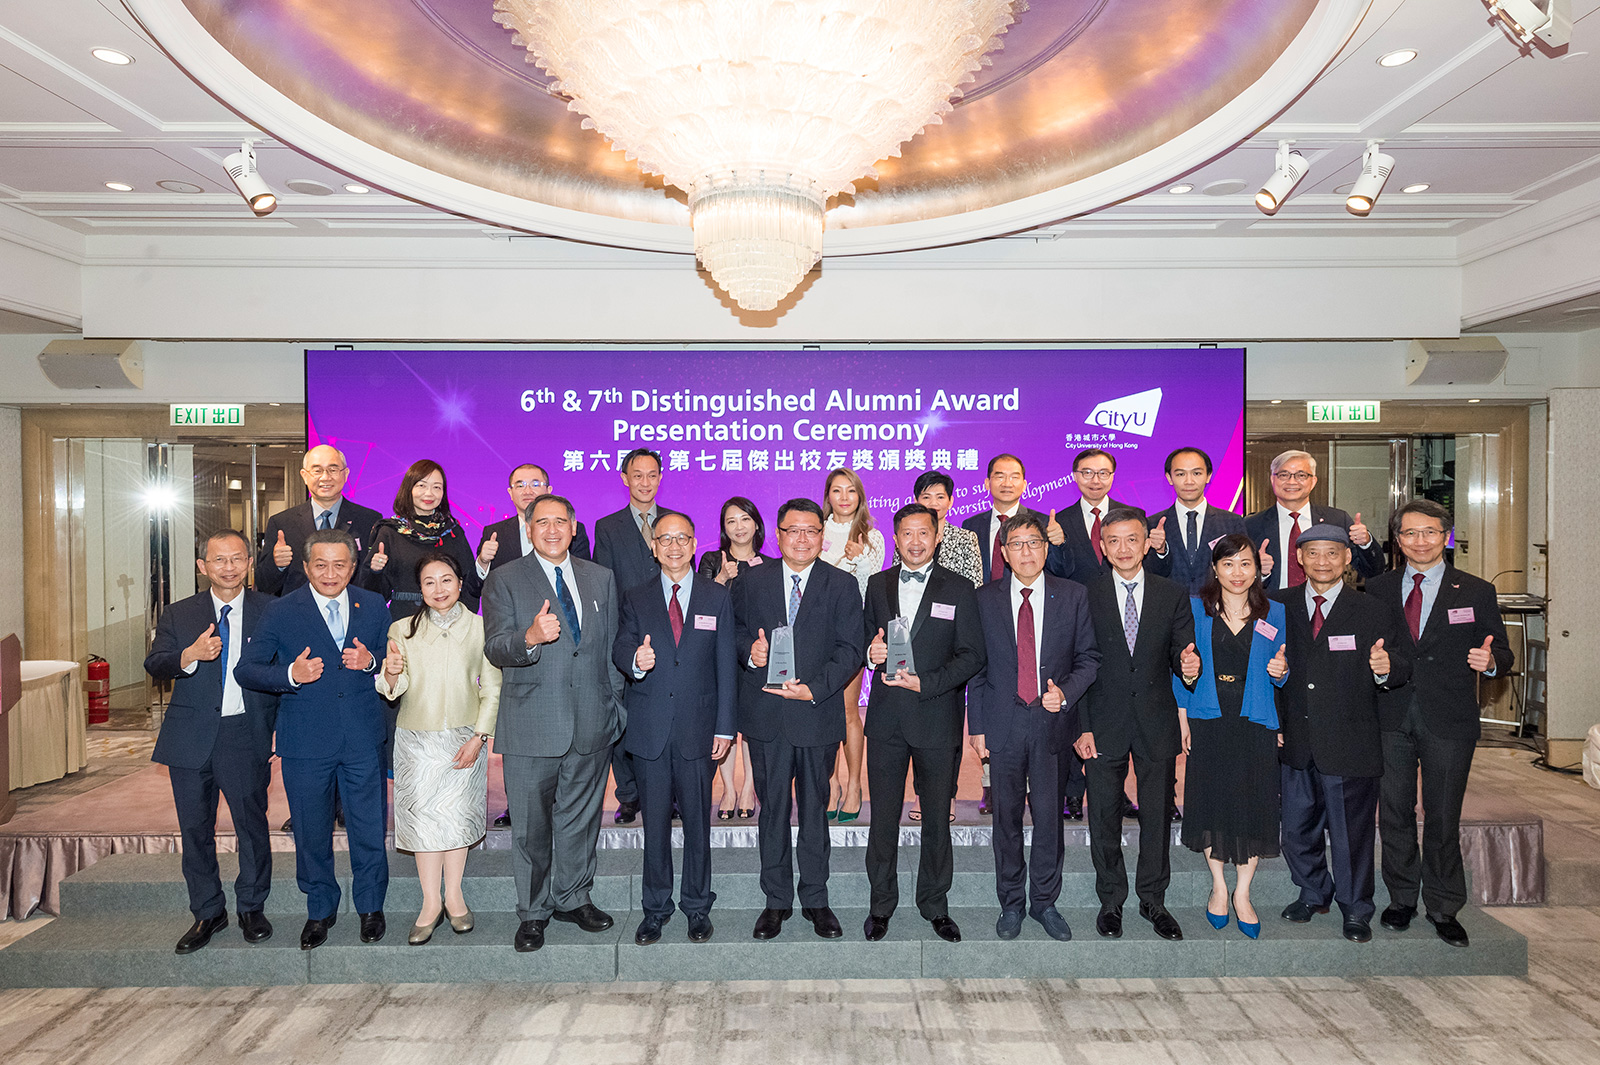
[1468,361]
[93,363]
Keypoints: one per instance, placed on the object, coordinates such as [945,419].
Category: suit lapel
[935,584]
[894,591]
[1439,616]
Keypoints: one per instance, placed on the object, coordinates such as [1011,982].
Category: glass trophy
[900,657]
[780,657]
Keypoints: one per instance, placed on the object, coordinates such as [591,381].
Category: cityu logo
[1128,414]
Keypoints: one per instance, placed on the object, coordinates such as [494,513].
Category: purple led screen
[770,424]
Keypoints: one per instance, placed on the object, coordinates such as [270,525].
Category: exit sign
[212,414]
[1343,411]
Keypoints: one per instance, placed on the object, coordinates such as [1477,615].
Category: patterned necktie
[997,564]
[325,520]
[794,597]
[335,626]
[644,529]
[568,607]
[1094,536]
[1295,575]
[1414,606]
[222,630]
[912,575]
[1130,617]
[1316,616]
[1193,534]
[675,615]
[1027,657]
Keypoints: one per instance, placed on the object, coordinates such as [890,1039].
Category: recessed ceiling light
[359,190]
[1225,187]
[1179,190]
[307,187]
[119,186]
[112,56]
[1398,58]
[1474,401]
[1275,402]
[186,187]
[1421,186]
[1342,190]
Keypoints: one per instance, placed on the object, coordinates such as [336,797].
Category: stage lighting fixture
[241,167]
[1548,20]
[1292,166]
[1375,168]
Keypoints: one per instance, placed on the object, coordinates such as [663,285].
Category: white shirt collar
[1327,597]
[237,604]
[1429,576]
[343,599]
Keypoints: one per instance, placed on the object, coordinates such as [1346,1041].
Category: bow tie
[912,575]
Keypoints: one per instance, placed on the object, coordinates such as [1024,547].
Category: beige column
[1574,692]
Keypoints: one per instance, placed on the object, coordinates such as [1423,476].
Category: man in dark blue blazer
[313,648]
[794,731]
[507,540]
[1191,525]
[324,470]
[1005,482]
[216,737]
[676,645]
[1041,659]
[622,545]
[1277,529]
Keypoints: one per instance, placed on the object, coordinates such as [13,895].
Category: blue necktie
[222,630]
[1130,617]
[1194,535]
[794,597]
[568,607]
[335,626]
[326,520]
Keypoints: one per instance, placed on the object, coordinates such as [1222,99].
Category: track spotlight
[1375,167]
[241,167]
[1548,20]
[1292,166]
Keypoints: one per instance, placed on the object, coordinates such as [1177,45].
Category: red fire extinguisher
[97,686]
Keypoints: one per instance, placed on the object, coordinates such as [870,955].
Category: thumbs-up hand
[1359,534]
[644,659]
[546,628]
[1379,660]
[1052,697]
[854,548]
[1054,531]
[878,650]
[730,569]
[489,548]
[357,657]
[1158,538]
[380,558]
[394,663]
[1278,668]
[1189,662]
[206,647]
[1482,658]
[758,650]
[1266,559]
[282,553]
[305,669]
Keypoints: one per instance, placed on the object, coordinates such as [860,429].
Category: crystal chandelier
[760,110]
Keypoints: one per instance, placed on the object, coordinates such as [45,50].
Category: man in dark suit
[550,624]
[676,645]
[1453,625]
[324,470]
[914,719]
[1278,528]
[216,737]
[1191,525]
[1145,632]
[1040,658]
[313,649]
[622,545]
[1005,482]
[794,731]
[1343,649]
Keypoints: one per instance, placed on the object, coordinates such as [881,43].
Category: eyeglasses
[669,539]
[1296,476]
[530,484]
[1412,536]
[1094,475]
[318,471]
[547,522]
[1025,545]
[801,532]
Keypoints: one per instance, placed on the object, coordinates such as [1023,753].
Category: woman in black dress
[422,524]
[1230,728]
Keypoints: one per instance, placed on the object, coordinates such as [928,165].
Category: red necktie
[1094,536]
[997,564]
[1027,658]
[1296,574]
[675,615]
[1316,616]
[1414,606]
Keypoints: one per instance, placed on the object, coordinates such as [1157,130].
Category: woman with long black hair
[422,523]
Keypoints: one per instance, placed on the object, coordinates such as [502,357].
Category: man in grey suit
[550,620]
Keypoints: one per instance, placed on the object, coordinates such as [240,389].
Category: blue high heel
[1219,921]
[1252,929]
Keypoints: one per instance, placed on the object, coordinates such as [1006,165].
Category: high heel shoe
[1252,929]
[745,815]
[421,933]
[1219,921]
[461,924]
[724,815]
[846,816]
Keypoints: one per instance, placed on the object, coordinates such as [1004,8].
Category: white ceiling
[1491,130]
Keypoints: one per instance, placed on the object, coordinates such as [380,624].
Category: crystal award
[900,657]
[780,657]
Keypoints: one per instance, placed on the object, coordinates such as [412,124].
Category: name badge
[1269,631]
[1212,546]
[706,621]
[1341,643]
[1461,615]
[756,561]
[944,610]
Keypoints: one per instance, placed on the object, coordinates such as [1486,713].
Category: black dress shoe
[677,815]
[1130,810]
[699,927]
[503,820]
[823,922]
[1449,930]
[200,934]
[1301,912]
[770,923]
[1109,924]
[626,812]
[650,929]
[373,926]
[875,927]
[1397,918]
[588,917]
[946,929]
[315,933]
[983,803]
[529,937]
[1072,810]
[1161,920]
[1177,814]
[1357,931]
[255,926]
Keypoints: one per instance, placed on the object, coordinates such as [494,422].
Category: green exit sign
[212,414]
[1361,410]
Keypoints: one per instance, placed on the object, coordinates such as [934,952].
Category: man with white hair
[1277,529]
[324,470]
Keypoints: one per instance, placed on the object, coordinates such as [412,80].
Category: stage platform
[121,917]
